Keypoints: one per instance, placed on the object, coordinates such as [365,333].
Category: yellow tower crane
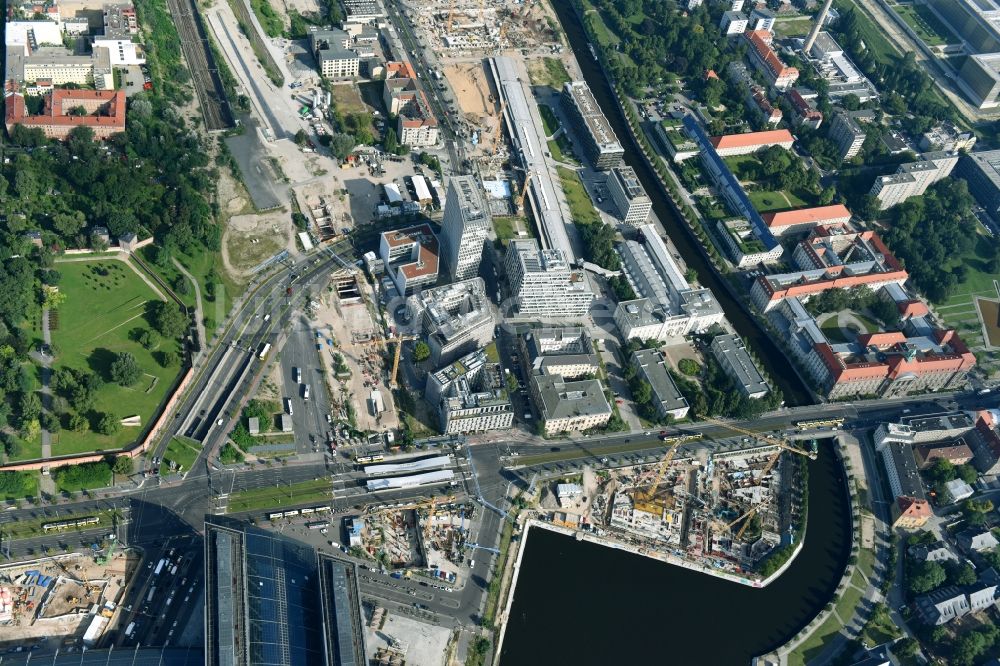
[645,498]
[384,342]
[766,439]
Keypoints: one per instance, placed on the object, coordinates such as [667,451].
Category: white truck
[305,392]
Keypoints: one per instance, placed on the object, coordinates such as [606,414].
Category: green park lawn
[91,327]
[549,120]
[793,27]
[181,451]
[766,201]
[580,205]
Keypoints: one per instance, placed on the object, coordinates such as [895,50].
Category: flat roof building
[601,144]
[567,352]
[570,406]
[731,353]
[667,399]
[334,58]
[913,179]
[410,256]
[847,134]
[465,227]
[842,77]
[272,600]
[542,282]
[455,319]
[628,195]
[982,171]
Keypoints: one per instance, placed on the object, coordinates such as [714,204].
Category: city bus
[367,460]
[317,524]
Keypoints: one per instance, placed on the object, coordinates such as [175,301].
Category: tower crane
[782,446]
[645,497]
[384,342]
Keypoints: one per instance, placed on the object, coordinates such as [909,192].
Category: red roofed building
[791,221]
[417,125]
[771,114]
[104,112]
[985,443]
[831,258]
[805,114]
[765,60]
[911,513]
[751,142]
[410,257]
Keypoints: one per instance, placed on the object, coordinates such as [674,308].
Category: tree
[906,648]
[967,473]
[169,320]
[512,384]
[391,142]
[122,465]
[942,470]
[108,424]
[145,338]
[960,573]
[689,367]
[925,577]
[421,351]
[77,423]
[301,137]
[341,145]
[125,370]
[30,407]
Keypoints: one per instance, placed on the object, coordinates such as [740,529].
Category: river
[582,603]
[773,357]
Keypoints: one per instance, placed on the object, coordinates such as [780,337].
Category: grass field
[580,205]
[766,201]
[270,497]
[95,323]
[183,452]
[347,99]
[793,27]
[548,72]
[549,120]
[927,26]
[873,36]
[833,332]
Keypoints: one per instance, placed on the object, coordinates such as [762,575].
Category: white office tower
[465,226]
[543,282]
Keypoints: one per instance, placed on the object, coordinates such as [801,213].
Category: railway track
[208,86]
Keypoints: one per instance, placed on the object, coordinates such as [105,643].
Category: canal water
[581,603]
[774,359]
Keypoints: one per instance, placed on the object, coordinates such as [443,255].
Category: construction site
[725,510]
[71,598]
[426,538]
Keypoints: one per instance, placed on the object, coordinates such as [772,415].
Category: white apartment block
[476,412]
[464,228]
[628,195]
[734,23]
[543,283]
[847,134]
[913,179]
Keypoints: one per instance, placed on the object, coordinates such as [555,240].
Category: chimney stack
[820,18]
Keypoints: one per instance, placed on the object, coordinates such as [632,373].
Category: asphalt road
[308,416]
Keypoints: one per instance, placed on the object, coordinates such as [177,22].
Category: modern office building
[847,134]
[766,61]
[668,307]
[470,395]
[333,56]
[542,282]
[913,179]
[569,406]
[271,600]
[652,369]
[455,319]
[982,171]
[628,195]
[735,360]
[410,257]
[464,228]
[600,143]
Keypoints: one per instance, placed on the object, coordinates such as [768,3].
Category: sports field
[105,306]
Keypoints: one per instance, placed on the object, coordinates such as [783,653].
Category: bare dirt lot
[251,239]
[468,80]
